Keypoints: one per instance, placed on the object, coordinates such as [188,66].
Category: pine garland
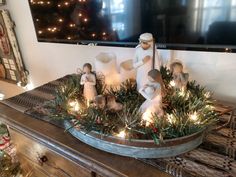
[186,111]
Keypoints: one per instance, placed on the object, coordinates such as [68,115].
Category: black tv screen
[175,24]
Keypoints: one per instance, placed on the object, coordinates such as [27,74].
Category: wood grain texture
[54,164]
[58,141]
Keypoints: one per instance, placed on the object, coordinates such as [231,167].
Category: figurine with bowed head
[180,79]
[88,79]
[153,92]
[144,58]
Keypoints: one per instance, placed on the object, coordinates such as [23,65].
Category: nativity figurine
[88,80]
[107,102]
[180,78]
[146,58]
[153,92]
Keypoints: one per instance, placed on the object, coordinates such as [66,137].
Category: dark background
[175,24]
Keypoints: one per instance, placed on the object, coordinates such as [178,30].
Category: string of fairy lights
[186,111]
[66,19]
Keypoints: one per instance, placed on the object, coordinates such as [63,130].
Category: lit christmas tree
[72,20]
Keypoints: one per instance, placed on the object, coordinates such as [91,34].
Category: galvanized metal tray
[137,148]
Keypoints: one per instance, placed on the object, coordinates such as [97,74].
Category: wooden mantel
[97,162]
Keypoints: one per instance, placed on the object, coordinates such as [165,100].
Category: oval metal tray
[137,148]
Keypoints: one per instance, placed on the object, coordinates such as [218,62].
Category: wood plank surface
[61,142]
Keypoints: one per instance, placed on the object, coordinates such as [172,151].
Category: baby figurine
[152,91]
[88,79]
[112,104]
[180,78]
[108,102]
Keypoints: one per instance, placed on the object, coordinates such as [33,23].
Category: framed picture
[11,64]
[2,2]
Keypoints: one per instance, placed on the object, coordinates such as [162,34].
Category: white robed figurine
[143,60]
[152,91]
[88,79]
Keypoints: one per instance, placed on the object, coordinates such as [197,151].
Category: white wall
[47,61]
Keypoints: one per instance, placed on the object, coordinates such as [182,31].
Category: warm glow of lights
[29,86]
[72,25]
[93,35]
[170,118]
[194,116]
[210,107]
[182,92]
[207,95]
[2,96]
[122,134]
[104,33]
[60,20]
[69,38]
[88,103]
[80,15]
[85,19]
[18,84]
[40,32]
[172,83]
[74,106]
[53,29]
[40,2]
[147,117]
[66,3]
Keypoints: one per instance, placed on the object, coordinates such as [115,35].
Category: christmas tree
[72,20]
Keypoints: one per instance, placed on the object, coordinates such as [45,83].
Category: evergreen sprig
[127,92]
[186,111]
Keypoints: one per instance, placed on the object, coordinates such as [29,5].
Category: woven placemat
[214,158]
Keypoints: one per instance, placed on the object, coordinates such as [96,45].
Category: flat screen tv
[175,24]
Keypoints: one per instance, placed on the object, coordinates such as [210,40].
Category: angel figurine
[180,78]
[143,60]
[88,79]
[153,92]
